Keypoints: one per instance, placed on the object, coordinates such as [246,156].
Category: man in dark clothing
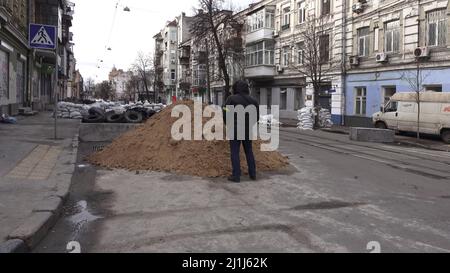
[241,97]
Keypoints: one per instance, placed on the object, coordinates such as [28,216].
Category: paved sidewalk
[35,176]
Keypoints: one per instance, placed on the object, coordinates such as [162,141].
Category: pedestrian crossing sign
[42,36]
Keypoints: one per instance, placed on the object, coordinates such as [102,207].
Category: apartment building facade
[194,72]
[26,74]
[119,80]
[387,41]
[370,49]
[276,65]
[14,55]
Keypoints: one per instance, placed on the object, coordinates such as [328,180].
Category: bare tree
[314,58]
[132,86]
[89,86]
[143,67]
[211,20]
[415,80]
[104,91]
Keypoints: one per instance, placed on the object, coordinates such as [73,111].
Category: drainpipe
[30,61]
[344,61]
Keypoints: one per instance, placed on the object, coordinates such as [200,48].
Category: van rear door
[430,120]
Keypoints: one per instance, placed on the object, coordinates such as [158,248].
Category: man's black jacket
[241,97]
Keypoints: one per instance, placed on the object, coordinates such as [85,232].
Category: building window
[301,12]
[261,19]
[172,74]
[388,92]
[173,35]
[270,19]
[283,99]
[286,56]
[4,75]
[437,27]
[286,18]
[269,98]
[324,44]
[363,42]
[433,88]
[326,7]
[261,53]
[360,101]
[392,36]
[300,53]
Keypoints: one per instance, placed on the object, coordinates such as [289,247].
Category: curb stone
[28,235]
[13,246]
[34,229]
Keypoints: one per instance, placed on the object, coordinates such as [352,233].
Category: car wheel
[380,125]
[446,136]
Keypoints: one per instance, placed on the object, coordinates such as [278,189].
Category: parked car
[400,114]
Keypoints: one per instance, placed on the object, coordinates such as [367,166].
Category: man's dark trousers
[235,146]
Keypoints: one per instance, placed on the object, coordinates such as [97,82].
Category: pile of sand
[151,148]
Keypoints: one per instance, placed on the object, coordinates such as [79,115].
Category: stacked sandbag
[68,110]
[325,118]
[306,118]
[102,111]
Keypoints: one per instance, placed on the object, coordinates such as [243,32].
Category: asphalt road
[337,197]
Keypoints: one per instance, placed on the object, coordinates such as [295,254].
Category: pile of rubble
[152,148]
[102,111]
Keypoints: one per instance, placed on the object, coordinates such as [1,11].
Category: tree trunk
[316,107]
[208,76]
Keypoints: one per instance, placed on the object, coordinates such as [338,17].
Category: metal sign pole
[56,89]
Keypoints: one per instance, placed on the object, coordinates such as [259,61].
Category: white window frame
[286,17]
[286,56]
[300,53]
[360,97]
[393,32]
[261,49]
[269,17]
[437,17]
[365,41]
[385,96]
[301,12]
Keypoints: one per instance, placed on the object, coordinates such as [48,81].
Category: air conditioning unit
[358,8]
[422,52]
[381,57]
[280,69]
[354,60]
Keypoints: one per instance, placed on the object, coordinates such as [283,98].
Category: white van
[400,114]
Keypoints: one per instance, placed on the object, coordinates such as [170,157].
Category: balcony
[260,71]
[258,35]
[184,56]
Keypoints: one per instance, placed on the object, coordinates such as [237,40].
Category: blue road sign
[42,36]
